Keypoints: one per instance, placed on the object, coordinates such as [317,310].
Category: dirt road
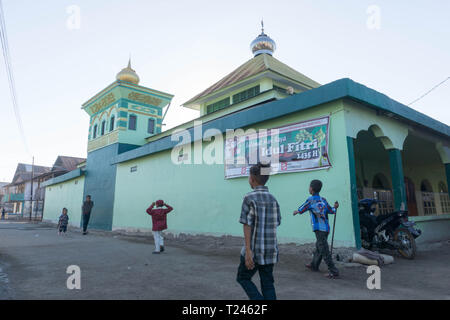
[33,263]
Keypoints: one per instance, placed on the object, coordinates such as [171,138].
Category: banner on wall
[300,147]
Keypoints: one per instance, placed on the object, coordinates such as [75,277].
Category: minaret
[122,117]
[125,112]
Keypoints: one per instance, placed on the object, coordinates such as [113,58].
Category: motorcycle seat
[382,217]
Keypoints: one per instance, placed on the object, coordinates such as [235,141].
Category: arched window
[103,127]
[425,186]
[94,134]
[111,123]
[380,182]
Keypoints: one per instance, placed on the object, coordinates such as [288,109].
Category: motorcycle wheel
[407,242]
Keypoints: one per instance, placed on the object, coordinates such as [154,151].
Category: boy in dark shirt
[319,210]
[86,212]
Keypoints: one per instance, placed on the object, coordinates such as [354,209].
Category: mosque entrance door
[411,197]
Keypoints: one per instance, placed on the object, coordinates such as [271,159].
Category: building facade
[25,195]
[359,142]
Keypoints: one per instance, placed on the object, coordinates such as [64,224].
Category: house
[24,195]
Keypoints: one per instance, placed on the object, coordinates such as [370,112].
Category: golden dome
[128,74]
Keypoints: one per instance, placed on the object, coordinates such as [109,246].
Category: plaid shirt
[319,210]
[260,210]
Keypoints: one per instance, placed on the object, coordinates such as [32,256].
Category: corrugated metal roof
[254,66]
[67,163]
[23,172]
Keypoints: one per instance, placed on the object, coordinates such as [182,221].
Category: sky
[61,58]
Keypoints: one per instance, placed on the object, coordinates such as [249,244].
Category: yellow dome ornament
[128,74]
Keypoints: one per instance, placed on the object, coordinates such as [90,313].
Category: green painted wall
[433,229]
[68,194]
[206,203]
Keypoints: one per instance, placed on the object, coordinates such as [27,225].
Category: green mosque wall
[206,203]
[67,194]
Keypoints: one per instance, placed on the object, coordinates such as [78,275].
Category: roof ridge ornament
[263,43]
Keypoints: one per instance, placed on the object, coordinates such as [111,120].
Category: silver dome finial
[263,43]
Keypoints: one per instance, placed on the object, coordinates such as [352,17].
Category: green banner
[297,147]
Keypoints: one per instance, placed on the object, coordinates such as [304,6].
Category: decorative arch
[112,113]
[425,186]
[385,140]
[444,152]
[114,108]
[391,132]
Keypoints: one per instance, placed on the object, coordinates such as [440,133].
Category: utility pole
[31,198]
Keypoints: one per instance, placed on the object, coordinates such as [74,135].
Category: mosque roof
[258,64]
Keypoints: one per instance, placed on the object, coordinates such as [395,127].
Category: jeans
[322,251]
[86,217]
[159,240]
[244,278]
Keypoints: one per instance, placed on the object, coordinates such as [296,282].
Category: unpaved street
[33,262]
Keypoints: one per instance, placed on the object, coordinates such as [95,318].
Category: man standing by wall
[86,212]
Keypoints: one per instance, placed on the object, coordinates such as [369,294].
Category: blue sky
[182,47]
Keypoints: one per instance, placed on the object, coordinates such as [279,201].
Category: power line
[435,87]
[10,75]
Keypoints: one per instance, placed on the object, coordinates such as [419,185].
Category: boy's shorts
[63,229]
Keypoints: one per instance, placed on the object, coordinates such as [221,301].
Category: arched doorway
[373,170]
[411,197]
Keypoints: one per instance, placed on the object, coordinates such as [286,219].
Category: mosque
[358,141]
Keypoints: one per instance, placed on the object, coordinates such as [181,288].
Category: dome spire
[263,43]
[128,74]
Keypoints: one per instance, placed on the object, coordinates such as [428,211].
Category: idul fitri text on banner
[300,146]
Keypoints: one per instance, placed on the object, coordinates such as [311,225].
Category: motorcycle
[390,231]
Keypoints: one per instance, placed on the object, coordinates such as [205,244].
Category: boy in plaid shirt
[260,216]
